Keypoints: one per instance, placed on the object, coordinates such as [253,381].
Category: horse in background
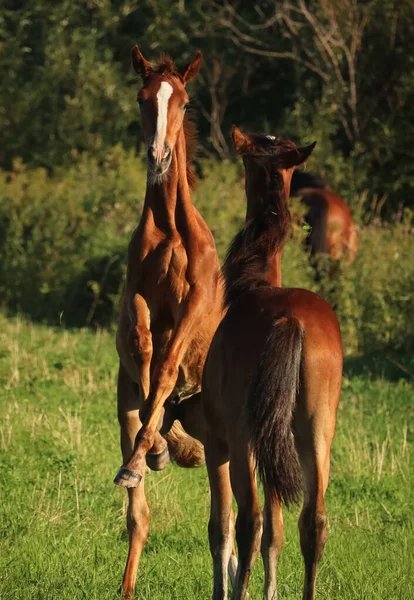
[270,388]
[172,304]
[333,229]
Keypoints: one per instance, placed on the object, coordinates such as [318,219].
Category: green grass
[62,521]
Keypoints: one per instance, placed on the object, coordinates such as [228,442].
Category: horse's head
[261,152]
[163,100]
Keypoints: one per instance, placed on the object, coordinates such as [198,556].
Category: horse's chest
[164,282]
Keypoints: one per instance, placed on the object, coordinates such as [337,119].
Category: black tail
[270,406]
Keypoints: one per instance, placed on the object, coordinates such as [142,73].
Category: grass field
[62,521]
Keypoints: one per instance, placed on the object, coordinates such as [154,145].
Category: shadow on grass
[385,363]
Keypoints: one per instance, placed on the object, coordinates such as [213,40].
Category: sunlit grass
[62,521]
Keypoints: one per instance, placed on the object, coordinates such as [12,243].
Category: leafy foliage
[63,242]
[335,71]
[62,521]
[72,186]
[64,238]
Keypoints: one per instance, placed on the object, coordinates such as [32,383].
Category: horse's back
[251,315]
[239,341]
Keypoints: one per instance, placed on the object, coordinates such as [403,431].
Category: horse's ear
[191,70]
[241,141]
[305,152]
[294,158]
[140,64]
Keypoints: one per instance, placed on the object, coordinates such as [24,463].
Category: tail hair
[270,406]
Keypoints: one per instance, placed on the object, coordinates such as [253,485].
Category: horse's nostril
[157,156]
[150,154]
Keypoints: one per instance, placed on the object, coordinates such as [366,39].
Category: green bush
[374,295]
[63,241]
[63,238]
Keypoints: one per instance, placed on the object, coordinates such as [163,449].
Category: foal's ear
[140,64]
[191,70]
[242,142]
[305,152]
[294,158]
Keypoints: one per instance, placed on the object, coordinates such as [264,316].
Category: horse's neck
[168,204]
[272,267]
[262,199]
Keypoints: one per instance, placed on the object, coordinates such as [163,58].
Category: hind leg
[272,542]
[138,515]
[312,526]
[249,517]
[232,566]
[314,455]
[220,527]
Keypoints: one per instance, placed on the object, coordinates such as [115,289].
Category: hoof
[128,479]
[157,462]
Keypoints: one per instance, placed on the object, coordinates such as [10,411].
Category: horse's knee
[140,344]
[166,375]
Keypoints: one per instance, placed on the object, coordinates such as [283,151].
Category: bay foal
[172,303]
[270,387]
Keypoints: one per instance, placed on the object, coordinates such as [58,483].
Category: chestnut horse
[333,228]
[270,387]
[172,304]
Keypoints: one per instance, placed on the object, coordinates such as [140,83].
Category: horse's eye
[186,106]
[139,100]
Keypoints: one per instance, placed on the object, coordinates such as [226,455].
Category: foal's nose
[158,155]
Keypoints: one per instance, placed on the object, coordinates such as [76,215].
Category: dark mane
[245,267]
[270,144]
[165,65]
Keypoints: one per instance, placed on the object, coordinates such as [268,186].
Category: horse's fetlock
[320,520]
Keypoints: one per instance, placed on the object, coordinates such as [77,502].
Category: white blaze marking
[163,96]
